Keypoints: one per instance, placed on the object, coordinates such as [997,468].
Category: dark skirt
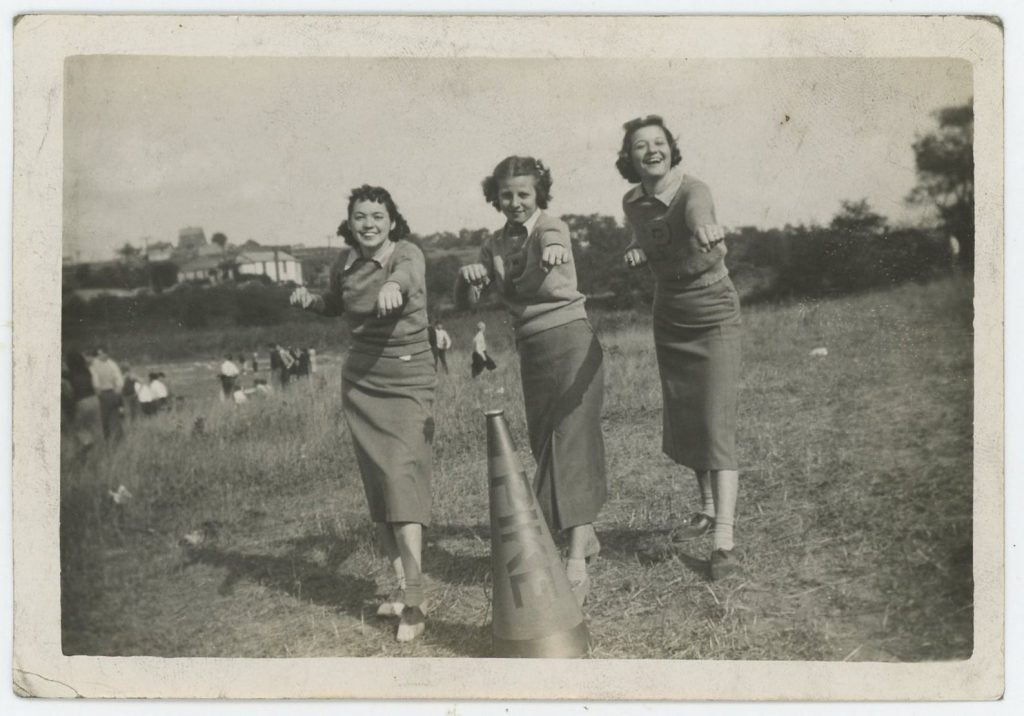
[388,405]
[563,389]
[479,362]
[697,339]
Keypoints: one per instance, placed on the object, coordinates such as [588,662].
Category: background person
[129,396]
[480,359]
[388,384]
[158,390]
[443,343]
[108,381]
[696,323]
[86,423]
[228,377]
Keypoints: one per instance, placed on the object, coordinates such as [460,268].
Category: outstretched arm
[408,275]
[700,218]
[472,276]
[555,246]
[634,256]
[308,300]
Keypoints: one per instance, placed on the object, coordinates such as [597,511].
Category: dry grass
[855,514]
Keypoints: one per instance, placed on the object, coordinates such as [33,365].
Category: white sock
[575,568]
[722,538]
[726,486]
[707,495]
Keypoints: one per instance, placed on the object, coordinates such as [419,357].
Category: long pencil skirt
[388,404]
[563,388]
[697,339]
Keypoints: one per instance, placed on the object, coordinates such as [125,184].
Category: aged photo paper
[441,83]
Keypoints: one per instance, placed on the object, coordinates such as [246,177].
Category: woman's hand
[389,299]
[475,275]
[553,255]
[635,258]
[708,235]
[302,297]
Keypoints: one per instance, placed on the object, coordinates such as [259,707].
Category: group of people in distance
[230,376]
[96,395]
[289,363]
[388,379]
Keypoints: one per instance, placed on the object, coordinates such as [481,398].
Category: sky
[269,148]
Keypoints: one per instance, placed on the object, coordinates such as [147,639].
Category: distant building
[204,268]
[161,252]
[278,265]
[191,238]
[211,250]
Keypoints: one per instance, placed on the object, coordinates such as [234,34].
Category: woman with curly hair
[388,381]
[561,362]
[696,323]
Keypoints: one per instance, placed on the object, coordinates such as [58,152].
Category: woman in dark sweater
[388,381]
[696,322]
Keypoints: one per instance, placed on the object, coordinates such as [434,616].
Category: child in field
[530,261]
[480,358]
[696,323]
[388,384]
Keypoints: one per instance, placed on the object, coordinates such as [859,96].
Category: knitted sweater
[537,299]
[664,226]
[355,283]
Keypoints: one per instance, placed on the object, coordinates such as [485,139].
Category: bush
[259,306]
[195,313]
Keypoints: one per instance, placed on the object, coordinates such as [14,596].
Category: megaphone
[534,611]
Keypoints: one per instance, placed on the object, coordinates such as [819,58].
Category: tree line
[858,249]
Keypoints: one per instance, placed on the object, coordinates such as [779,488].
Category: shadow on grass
[466,640]
[650,547]
[457,569]
[646,547]
[292,573]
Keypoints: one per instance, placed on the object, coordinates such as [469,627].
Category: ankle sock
[414,592]
[575,569]
[707,494]
[722,538]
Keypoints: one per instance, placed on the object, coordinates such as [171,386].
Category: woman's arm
[700,217]
[308,300]
[476,275]
[408,275]
[555,246]
[634,256]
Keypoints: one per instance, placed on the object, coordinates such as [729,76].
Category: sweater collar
[674,181]
[380,256]
[529,224]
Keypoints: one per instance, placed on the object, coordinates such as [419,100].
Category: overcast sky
[268,149]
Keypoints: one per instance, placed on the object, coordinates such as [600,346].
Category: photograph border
[42,42]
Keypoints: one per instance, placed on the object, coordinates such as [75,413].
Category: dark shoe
[697,526]
[412,624]
[724,563]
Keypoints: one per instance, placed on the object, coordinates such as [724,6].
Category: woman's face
[517,197]
[371,224]
[650,152]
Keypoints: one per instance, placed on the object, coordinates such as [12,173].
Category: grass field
[854,518]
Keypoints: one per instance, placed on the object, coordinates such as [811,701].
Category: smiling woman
[388,384]
[696,323]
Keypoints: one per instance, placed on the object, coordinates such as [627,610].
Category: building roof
[257,257]
[201,263]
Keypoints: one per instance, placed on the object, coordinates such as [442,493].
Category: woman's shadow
[295,573]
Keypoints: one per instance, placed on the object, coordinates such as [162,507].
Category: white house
[202,268]
[279,266]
